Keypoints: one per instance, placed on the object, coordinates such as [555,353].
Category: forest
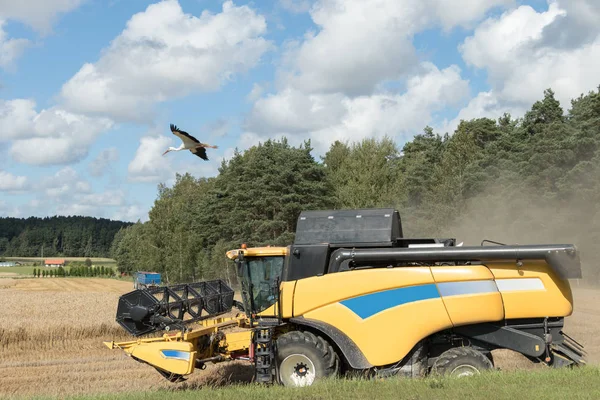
[72,236]
[527,180]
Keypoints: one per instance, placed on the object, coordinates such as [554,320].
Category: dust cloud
[526,217]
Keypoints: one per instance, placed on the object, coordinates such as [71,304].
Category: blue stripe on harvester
[181,355]
[370,304]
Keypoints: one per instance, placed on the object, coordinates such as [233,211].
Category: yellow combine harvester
[352,295]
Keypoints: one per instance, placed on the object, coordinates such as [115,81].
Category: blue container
[148,278]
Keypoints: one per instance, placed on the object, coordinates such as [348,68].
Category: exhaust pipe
[563,258]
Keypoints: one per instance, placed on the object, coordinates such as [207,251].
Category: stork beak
[165,152]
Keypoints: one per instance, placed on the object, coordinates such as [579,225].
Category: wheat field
[51,338]
[52,329]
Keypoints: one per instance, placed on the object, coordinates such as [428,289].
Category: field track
[52,332]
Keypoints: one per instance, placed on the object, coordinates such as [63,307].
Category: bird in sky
[189,143]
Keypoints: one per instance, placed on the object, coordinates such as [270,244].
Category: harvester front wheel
[303,358]
[460,362]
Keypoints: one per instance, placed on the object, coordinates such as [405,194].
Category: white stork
[189,143]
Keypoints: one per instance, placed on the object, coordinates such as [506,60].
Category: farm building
[8,264]
[54,262]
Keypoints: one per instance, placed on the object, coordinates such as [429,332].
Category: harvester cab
[352,294]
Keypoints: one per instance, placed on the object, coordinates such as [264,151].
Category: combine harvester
[352,295]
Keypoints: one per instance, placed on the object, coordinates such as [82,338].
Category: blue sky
[89,87]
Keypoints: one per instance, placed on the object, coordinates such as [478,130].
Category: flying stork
[189,143]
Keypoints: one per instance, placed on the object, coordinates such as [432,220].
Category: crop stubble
[52,331]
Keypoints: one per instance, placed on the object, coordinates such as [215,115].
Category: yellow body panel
[257,252]
[286,302]
[386,337]
[383,324]
[483,303]
[175,357]
[532,290]
[461,273]
[474,309]
[387,311]
[287,299]
[319,291]
[237,341]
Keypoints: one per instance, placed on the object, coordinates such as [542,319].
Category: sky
[88,88]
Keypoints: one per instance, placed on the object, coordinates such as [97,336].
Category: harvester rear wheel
[460,362]
[303,358]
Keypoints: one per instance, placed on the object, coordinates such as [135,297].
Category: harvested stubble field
[52,331]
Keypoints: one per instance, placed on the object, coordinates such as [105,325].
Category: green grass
[27,269]
[580,383]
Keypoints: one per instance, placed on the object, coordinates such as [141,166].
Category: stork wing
[187,139]
[200,152]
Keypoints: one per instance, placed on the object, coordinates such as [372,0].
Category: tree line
[77,270]
[58,236]
[533,179]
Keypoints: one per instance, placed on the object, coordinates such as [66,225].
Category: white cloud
[452,14]
[64,184]
[109,198]
[130,213]
[296,6]
[148,164]
[51,137]
[164,54]
[292,111]
[12,183]
[16,118]
[524,53]
[362,43]
[103,161]
[10,49]
[40,14]
[485,104]
[326,118]
[255,93]
[496,42]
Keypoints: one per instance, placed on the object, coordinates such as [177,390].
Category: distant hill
[58,236]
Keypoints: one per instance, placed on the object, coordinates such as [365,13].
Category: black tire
[304,358]
[461,361]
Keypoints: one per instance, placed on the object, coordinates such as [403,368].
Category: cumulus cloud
[296,6]
[10,49]
[65,183]
[148,164]
[12,183]
[334,82]
[103,161]
[326,118]
[50,137]
[577,25]
[109,198]
[485,104]
[130,213]
[525,52]
[39,14]
[361,43]
[164,53]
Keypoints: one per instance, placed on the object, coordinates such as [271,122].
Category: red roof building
[54,262]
